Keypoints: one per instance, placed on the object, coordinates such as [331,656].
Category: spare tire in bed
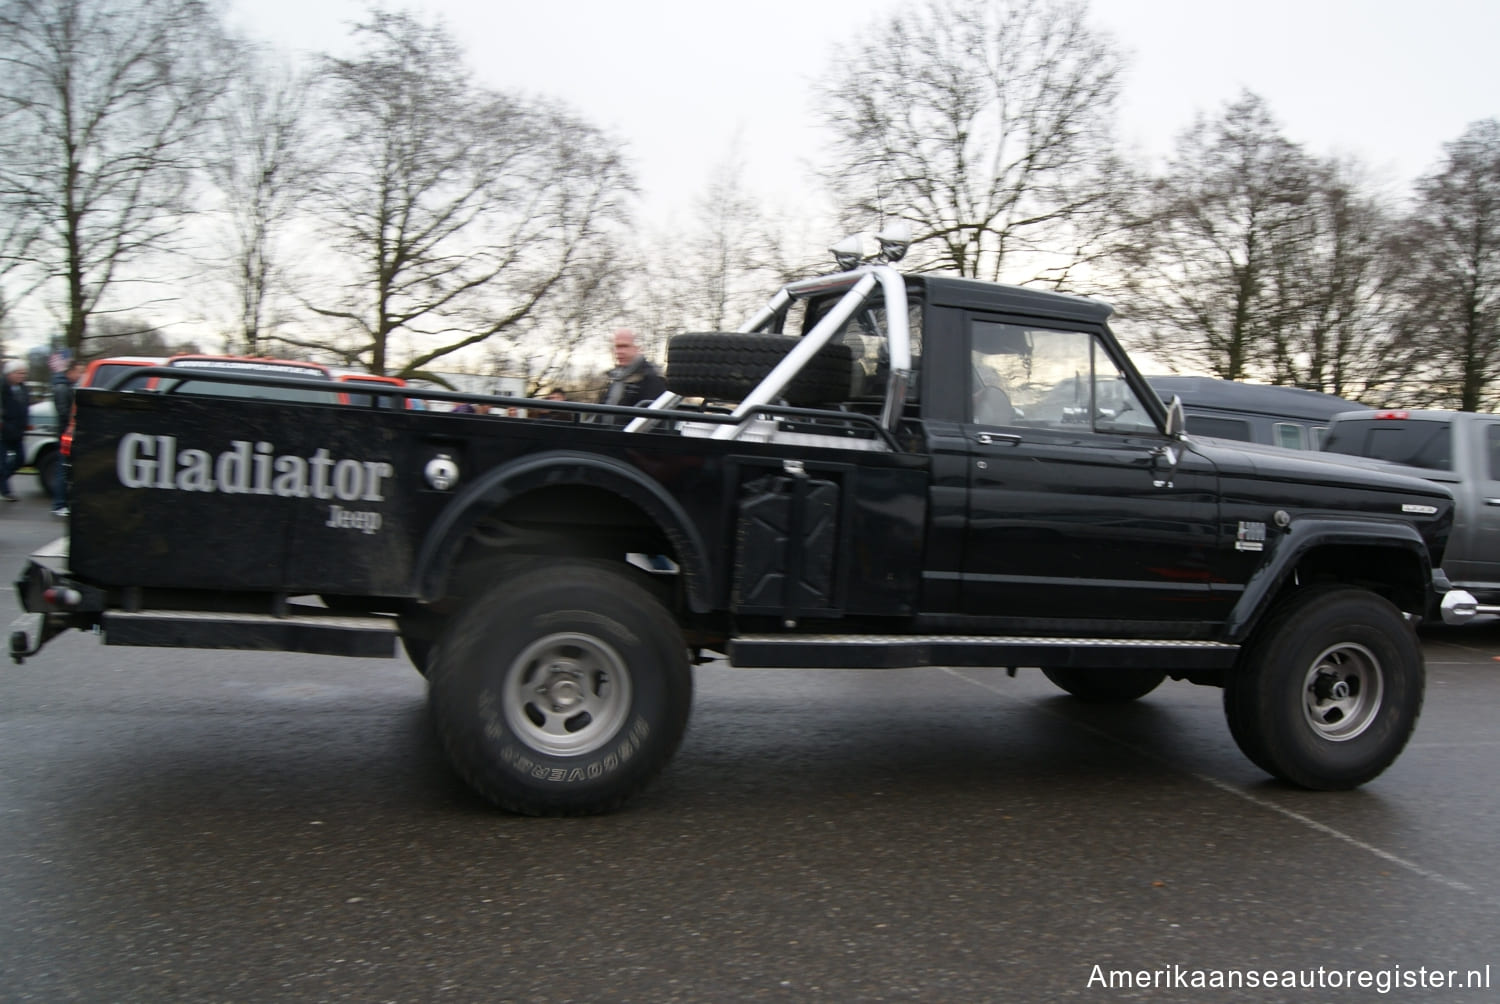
[726,366]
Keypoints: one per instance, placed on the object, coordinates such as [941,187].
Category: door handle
[1492,501]
[991,438]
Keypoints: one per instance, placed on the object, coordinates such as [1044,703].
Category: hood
[1257,478]
[1315,469]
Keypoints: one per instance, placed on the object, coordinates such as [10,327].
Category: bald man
[634,382]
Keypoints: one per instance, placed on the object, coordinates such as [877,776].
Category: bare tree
[1328,291]
[711,274]
[262,168]
[988,125]
[1450,277]
[462,211]
[545,352]
[101,103]
[17,238]
[728,246]
[132,336]
[1232,205]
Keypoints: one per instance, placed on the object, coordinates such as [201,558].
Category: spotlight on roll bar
[849,252]
[894,240]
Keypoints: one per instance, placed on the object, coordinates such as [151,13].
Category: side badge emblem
[442,472]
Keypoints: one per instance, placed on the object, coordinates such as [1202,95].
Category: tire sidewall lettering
[527,762]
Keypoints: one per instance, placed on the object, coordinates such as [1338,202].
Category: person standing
[63,384]
[15,413]
[634,382]
[555,394]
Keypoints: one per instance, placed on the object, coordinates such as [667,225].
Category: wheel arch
[552,471]
[1390,559]
[44,449]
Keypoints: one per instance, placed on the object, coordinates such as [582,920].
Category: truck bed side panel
[219,493]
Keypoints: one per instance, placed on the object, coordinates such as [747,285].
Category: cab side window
[1288,436]
[1044,378]
[1492,450]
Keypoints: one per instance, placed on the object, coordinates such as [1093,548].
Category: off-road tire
[726,366]
[1328,694]
[1106,686]
[562,691]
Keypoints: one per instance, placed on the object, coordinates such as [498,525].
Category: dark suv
[1289,417]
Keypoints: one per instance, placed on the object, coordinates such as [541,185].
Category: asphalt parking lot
[206,826]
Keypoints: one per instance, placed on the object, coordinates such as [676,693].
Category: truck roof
[951,292]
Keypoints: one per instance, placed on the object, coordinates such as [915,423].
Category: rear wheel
[1330,694]
[563,691]
[1106,686]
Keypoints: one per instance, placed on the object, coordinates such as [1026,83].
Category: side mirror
[1176,420]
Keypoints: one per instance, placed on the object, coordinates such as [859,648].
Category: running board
[831,651]
[317,633]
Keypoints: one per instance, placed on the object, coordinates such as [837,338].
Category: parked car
[101,373]
[367,396]
[1288,417]
[40,447]
[312,373]
[1457,449]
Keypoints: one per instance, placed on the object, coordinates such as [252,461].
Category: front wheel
[1329,696]
[562,691]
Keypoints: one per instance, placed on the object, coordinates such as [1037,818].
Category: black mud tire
[419,628]
[1328,693]
[1106,686]
[418,651]
[726,366]
[562,691]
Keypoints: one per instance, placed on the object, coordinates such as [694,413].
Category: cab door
[1480,554]
[1080,507]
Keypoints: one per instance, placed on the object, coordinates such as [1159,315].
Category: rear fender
[553,469]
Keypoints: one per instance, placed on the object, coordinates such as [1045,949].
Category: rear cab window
[1412,441]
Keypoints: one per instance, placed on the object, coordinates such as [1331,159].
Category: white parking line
[1225,786]
[1453,746]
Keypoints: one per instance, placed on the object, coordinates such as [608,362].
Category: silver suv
[39,449]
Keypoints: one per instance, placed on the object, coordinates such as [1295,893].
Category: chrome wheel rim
[567,694]
[1342,692]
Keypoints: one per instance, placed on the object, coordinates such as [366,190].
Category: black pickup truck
[877,470]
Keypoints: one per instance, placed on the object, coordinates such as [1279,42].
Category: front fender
[1291,547]
[551,469]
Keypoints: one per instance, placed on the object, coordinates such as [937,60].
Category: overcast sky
[684,81]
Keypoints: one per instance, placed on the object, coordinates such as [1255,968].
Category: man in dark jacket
[634,382]
[62,400]
[15,414]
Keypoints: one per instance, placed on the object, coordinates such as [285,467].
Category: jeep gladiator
[877,470]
